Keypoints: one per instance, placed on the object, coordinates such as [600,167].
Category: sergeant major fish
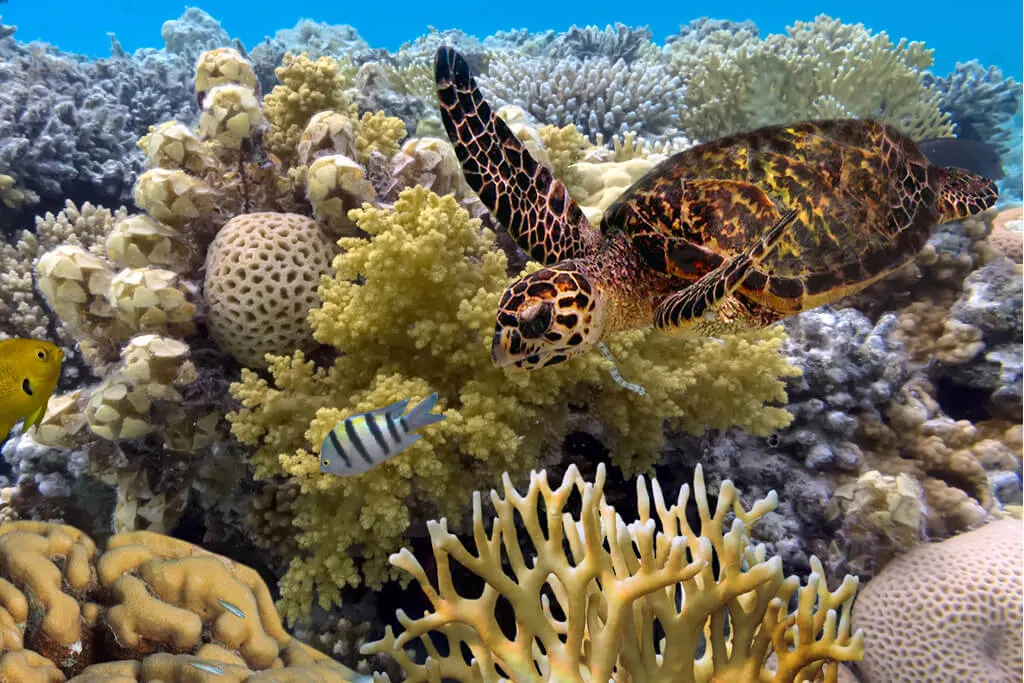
[361,442]
[29,370]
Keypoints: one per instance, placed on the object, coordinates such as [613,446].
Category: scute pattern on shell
[262,274]
[866,200]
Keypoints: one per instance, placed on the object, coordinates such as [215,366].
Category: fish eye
[535,320]
[41,354]
[325,463]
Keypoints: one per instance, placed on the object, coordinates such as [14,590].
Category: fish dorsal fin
[395,409]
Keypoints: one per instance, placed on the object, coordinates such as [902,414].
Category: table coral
[641,601]
[145,605]
[411,307]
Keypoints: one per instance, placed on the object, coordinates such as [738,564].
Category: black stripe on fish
[378,436]
[337,446]
[350,430]
[26,386]
[392,428]
[405,425]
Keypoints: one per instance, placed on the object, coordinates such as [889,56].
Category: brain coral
[262,272]
[947,611]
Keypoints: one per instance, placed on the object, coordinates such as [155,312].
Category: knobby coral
[633,602]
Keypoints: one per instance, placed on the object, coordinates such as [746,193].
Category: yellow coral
[412,309]
[378,132]
[627,601]
[307,87]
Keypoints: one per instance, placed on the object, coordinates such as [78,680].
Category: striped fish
[361,442]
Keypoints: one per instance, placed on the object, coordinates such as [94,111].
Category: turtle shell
[866,199]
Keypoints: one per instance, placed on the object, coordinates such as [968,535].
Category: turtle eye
[535,320]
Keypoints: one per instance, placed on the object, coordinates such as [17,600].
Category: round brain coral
[262,273]
[947,611]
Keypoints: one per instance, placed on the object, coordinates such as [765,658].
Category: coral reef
[418,319]
[148,607]
[822,69]
[980,102]
[947,611]
[628,601]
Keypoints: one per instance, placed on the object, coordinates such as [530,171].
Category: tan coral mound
[150,608]
[947,611]
[262,273]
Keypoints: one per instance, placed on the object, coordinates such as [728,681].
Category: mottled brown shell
[866,198]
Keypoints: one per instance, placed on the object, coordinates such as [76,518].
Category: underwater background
[239,243]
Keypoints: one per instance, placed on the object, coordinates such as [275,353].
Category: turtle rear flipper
[535,208]
[707,293]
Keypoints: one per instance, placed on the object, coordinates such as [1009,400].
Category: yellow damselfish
[29,370]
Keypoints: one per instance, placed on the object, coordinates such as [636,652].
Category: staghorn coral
[147,605]
[628,601]
[947,611]
[820,69]
[419,319]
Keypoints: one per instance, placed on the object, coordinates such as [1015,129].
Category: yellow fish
[29,370]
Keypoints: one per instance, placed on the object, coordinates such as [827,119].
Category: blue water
[987,30]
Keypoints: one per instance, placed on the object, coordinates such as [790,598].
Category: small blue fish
[361,442]
[231,608]
[208,668]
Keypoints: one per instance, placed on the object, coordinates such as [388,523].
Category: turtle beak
[502,346]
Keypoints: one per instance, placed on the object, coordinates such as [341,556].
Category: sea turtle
[733,234]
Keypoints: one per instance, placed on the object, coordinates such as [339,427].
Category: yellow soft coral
[634,602]
[411,308]
[307,87]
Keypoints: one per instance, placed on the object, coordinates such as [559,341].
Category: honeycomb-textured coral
[262,273]
[947,611]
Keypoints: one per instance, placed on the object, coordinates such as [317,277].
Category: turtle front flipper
[682,308]
[535,208]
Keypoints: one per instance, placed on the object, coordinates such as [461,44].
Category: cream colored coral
[139,241]
[595,613]
[947,611]
[231,115]
[172,196]
[334,185]
[173,145]
[223,65]
[262,273]
[430,162]
[152,300]
[378,132]
[596,185]
[328,132]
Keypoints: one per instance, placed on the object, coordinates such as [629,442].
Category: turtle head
[963,193]
[547,317]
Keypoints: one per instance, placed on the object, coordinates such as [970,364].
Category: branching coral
[596,95]
[641,601]
[819,69]
[412,308]
[148,605]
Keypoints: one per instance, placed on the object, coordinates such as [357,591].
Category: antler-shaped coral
[594,614]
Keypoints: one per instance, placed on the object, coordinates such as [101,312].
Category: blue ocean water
[986,30]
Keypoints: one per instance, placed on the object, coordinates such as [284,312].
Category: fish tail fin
[395,409]
[420,416]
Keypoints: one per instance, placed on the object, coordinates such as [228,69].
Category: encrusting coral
[149,607]
[411,307]
[652,600]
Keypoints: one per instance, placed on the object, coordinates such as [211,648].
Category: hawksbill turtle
[730,235]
